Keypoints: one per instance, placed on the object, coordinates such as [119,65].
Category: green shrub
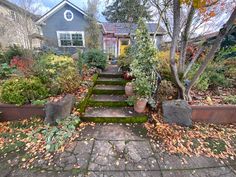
[163,67]
[125,60]
[56,136]
[213,76]
[5,70]
[80,63]
[23,90]
[95,58]
[59,73]
[230,99]
[142,66]
[12,52]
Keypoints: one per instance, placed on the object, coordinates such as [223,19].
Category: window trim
[72,15]
[70,32]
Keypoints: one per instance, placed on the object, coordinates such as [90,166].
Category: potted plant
[129,91]
[127,75]
[143,93]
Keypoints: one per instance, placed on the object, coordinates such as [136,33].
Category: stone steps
[108,100]
[109,89]
[110,75]
[111,81]
[113,115]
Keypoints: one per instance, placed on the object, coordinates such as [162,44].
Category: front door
[124,43]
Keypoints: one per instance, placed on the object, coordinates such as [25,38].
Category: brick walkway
[121,150]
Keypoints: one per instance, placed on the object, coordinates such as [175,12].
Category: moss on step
[84,102]
[135,119]
[113,92]
[111,82]
[110,75]
[94,103]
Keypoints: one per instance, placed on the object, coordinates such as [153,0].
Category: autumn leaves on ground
[32,140]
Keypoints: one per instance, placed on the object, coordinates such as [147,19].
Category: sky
[46,5]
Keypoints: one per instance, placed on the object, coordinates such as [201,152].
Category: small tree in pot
[142,66]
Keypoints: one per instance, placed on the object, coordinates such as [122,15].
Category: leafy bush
[230,99]
[59,73]
[126,59]
[142,66]
[80,63]
[95,58]
[23,90]
[12,52]
[163,67]
[214,76]
[5,70]
[56,136]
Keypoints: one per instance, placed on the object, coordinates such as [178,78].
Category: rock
[59,110]
[177,111]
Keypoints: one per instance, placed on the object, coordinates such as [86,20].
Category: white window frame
[72,15]
[70,32]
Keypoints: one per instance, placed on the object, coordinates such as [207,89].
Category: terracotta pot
[140,105]
[129,91]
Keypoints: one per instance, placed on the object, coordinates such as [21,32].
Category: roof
[127,28]
[16,8]
[58,7]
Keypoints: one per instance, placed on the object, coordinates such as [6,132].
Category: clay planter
[129,90]
[140,105]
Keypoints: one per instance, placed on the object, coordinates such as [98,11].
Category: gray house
[64,27]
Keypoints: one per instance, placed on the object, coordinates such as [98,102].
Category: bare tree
[184,92]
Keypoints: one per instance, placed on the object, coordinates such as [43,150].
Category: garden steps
[109,89]
[110,75]
[107,102]
[113,115]
[111,81]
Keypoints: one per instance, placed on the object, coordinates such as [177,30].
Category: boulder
[178,112]
[59,110]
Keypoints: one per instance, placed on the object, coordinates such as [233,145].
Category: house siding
[57,22]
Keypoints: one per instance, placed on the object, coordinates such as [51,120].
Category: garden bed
[11,112]
[221,114]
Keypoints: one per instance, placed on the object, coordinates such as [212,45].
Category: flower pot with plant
[129,91]
[143,92]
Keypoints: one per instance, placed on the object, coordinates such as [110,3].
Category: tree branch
[193,60]
[215,46]
[184,39]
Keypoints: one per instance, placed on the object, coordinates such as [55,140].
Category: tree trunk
[184,40]
[176,31]
[215,46]
[193,60]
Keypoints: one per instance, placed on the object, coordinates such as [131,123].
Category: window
[68,15]
[70,38]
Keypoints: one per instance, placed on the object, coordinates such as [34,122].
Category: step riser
[112,92]
[115,119]
[107,104]
[111,82]
[111,75]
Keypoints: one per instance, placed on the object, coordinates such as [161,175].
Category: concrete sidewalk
[120,150]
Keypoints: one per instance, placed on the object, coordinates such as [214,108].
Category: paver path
[122,150]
